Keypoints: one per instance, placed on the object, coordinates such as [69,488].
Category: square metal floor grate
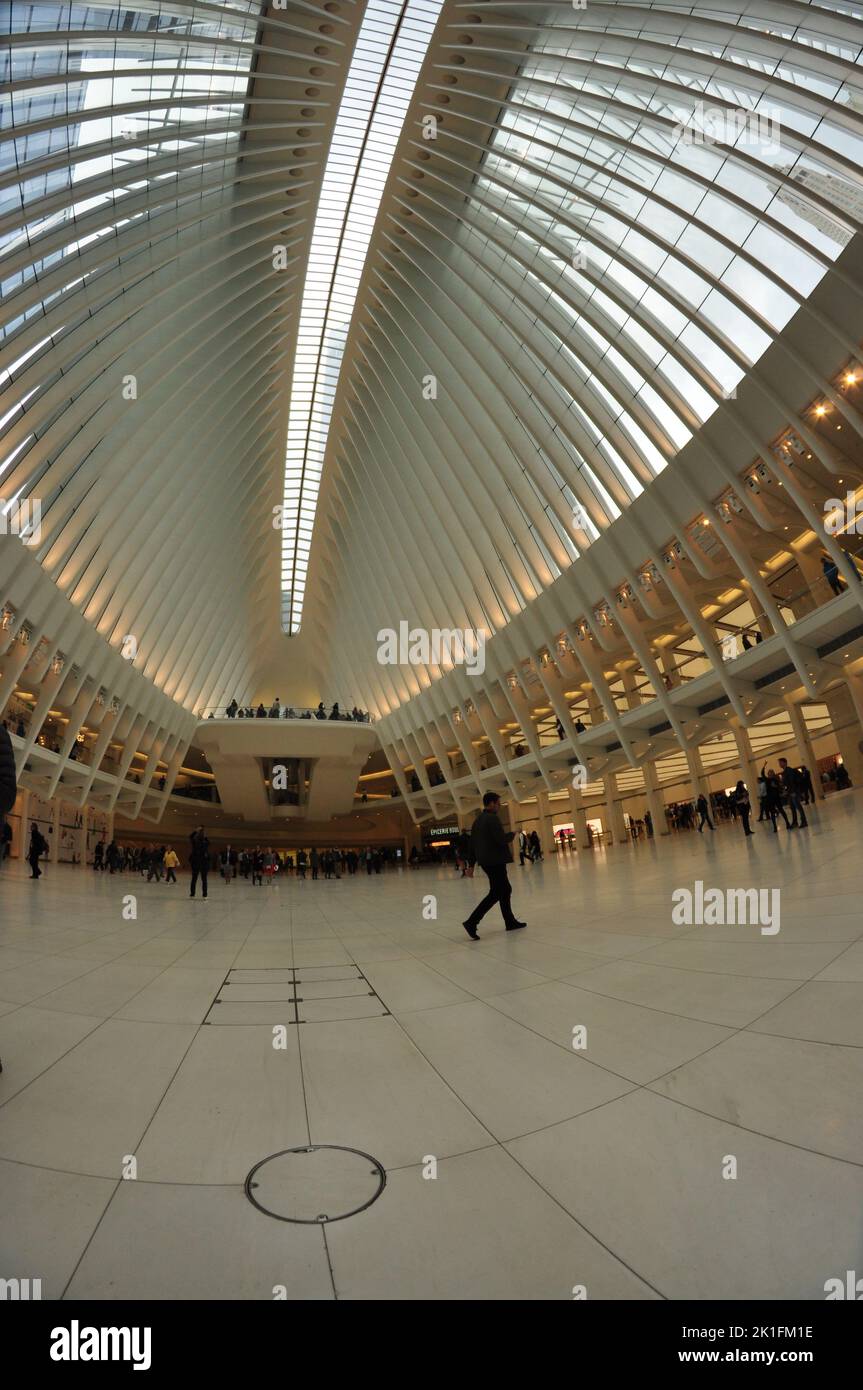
[301,994]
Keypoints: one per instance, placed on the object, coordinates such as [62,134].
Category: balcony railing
[293,712]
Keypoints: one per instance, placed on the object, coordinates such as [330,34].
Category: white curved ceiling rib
[587,267]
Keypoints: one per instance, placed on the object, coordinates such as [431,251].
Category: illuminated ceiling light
[850,378]
[389,53]
[820,410]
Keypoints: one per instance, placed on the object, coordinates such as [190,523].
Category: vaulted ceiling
[301,332]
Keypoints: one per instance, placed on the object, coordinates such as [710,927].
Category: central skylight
[389,53]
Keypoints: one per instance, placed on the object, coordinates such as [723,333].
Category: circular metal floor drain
[315,1184]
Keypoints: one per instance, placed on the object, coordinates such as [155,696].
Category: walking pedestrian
[491,847]
[774,800]
[228,861]
[744,807]
[807,789]
[792,785]
[200,862]
[38,846]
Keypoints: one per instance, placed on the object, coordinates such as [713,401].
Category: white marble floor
[556,1168]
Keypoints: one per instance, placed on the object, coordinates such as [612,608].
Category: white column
[655,800]
[579,819]
[55,831]
[748,766]
[23,822]
[845,704]
[615,812]
[804,744]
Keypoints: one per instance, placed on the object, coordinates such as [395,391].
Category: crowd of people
[779,792]
[256,866]
[277,711]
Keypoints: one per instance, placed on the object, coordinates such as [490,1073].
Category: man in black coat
[200,861]
[792,784]
[491,848]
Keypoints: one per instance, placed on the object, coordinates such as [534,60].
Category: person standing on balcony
[831,573]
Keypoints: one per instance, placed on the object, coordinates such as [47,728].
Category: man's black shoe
[471,931]
[516,926]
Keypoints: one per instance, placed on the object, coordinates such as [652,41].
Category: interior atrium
[411,407]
